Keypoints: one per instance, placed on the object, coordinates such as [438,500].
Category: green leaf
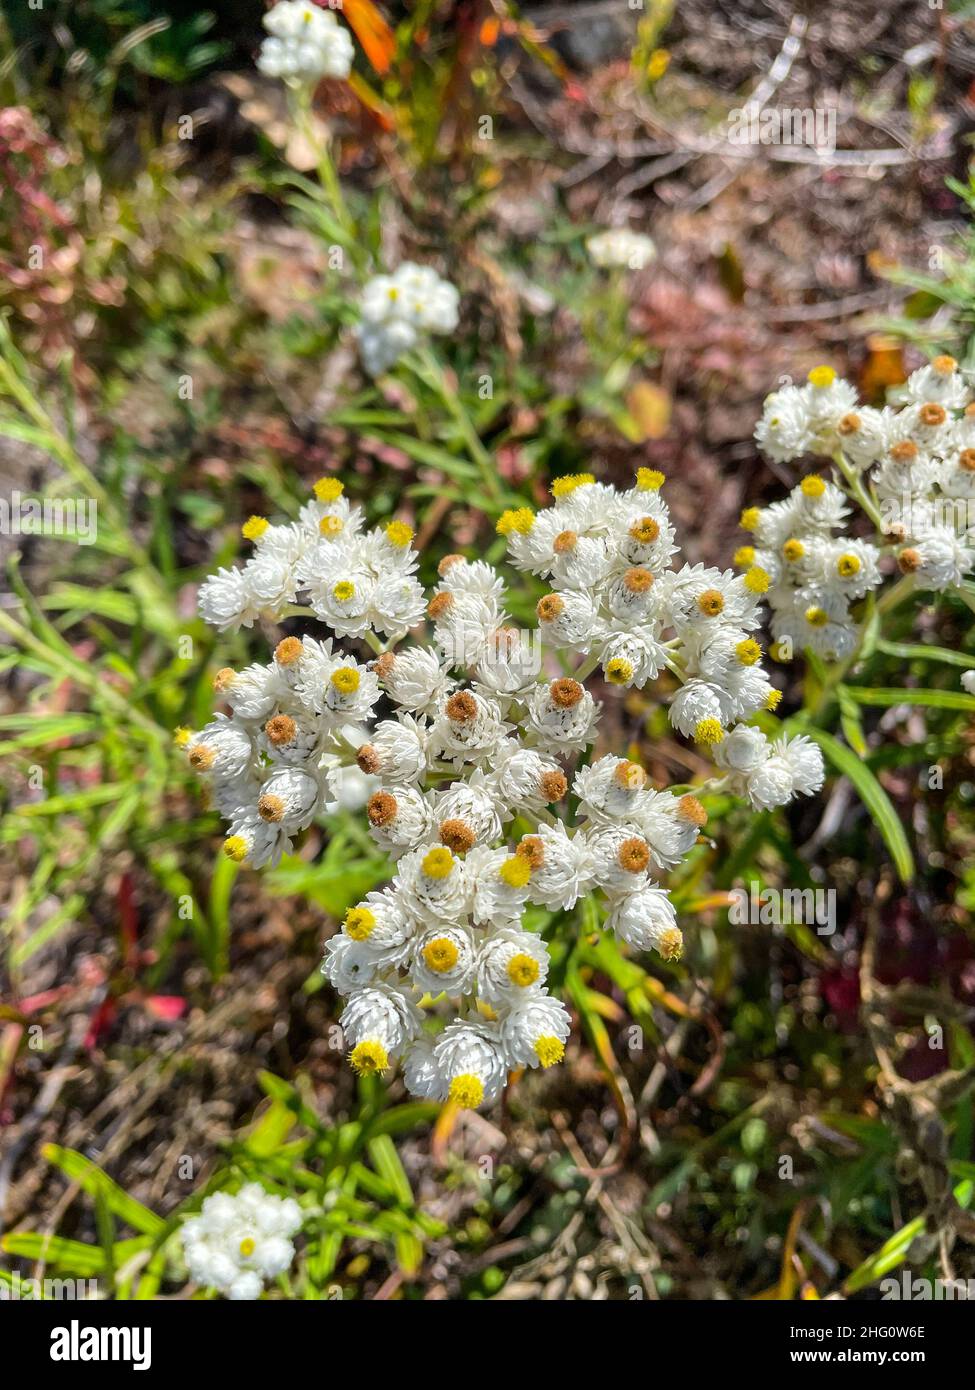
[99,1185]
[930,699]
[70,1256]
[386,1161]
[850,721]
[874,798]
[908,651]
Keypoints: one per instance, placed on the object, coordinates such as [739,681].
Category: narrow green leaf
[874,798]
[99,1185]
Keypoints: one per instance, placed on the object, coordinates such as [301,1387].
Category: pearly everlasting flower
[510,962]
[471,1060]
[239,1242]
[646,920]
[473,753]
[534,1029]
[399,310]
[377,1022]
[619,246]
[305,43]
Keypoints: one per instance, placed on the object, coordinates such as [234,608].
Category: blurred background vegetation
[180,352]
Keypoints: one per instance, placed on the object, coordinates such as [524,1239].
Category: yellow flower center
[399,534]
[708,731]
[345,680]
[253,528]
[645,530]
[813,486]
[247,1247]
[778,651]
[748,652]
[343,591]
[672,944]
[201,758]
[562,487]
[440,954]
[360,923]
[848,565]
[649,479]
[467,1091]
[328,489]
[515,871]
[522,970]
[520,519]
[744,557]
[181,736]
[822,377]
[618,670]
[438,863]
[817,617]
[369,1057]
[549,1050]
[793,550]
[711,603]
[235,848]
[331,526]
[750,518]
[757,580]
[773,700]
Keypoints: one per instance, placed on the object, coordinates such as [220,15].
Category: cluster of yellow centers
[440,954]
[345,680]
[522,970]
[438,863]
[467,1091]
[649,479]
[369,1057]
[515,871]
[618,671]
[645,530]
[711,603]
[399,534]
[562,487]
[549,1050]
[708,732]
[520,519]
[360,923]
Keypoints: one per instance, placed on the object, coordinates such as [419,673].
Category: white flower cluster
[914,464]
[398,310]
[619,247]
[478,738]
[815,575]
[305,43]
[238,1242]
[354,580]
